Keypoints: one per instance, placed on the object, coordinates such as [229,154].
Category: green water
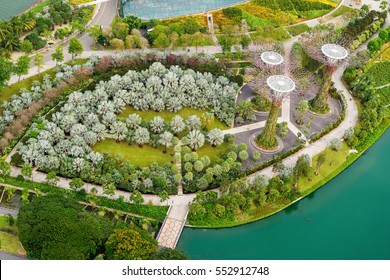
[9,8]
[349,218]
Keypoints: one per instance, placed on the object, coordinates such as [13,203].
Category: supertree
[281,86]
[266,62]
[329,48]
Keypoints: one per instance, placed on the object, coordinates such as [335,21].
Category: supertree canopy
[329,48]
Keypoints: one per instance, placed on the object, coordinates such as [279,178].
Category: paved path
[5,211]
[10,256]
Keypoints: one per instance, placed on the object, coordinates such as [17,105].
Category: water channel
[348,218]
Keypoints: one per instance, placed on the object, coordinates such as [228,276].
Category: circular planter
[258,113]
[264,151]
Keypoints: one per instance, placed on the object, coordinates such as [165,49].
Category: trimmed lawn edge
[349,161]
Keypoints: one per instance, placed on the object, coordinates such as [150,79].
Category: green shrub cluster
[150,211]
[293,5]
[377,43]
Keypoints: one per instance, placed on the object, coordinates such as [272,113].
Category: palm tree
[195,139]
[119,131]
[215,137]
[4,30]
[141,136]
[11,42]
[302,108]
[177,124]
[166,140]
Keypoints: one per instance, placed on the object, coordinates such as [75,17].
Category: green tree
[52,179]
[5,73]
[136,198]
[58,54]
[76,184]
[168,254]
[95,31]
[109,189]
[301,168]
[302,108]
[130,244]
[26,170]
[75,47]
[383,5]
[39,62]
[245,42]
[22,66]
[191,26]
[5,168]
[55,227]
[226,43]
[164,196]
[133,22]
[121,30]
[162,41]
[26,47]
[320,160]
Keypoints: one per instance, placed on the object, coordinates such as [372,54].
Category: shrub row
[151,211]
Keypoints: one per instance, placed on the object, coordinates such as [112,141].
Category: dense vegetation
[55,227]
[38,26]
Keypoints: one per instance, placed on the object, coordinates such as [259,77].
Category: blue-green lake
[10,8]
[348,218]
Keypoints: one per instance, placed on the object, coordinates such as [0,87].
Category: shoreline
[347,163]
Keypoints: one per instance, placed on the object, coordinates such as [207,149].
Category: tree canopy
[55,227]
[130,244]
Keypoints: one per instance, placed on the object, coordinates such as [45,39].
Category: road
[105,15]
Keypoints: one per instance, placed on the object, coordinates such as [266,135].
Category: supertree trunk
[319,103]
[267,139]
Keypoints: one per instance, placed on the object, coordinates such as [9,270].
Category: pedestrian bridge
[172,226]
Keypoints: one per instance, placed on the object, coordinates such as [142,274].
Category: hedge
[150,211]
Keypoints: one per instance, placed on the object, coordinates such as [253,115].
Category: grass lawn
[298,29]
[277,34]
[384,93]
[8,242]
[343,9]
[332,161]
[143,157]
[212,152]
[379,73]
[11,244]
[167,115]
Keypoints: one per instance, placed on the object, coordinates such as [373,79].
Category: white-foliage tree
[157,125]
[119,131]
[215,137]
[133,121]
[193,122]
[166,140]
[177,124]
[195,139]
[141,136]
